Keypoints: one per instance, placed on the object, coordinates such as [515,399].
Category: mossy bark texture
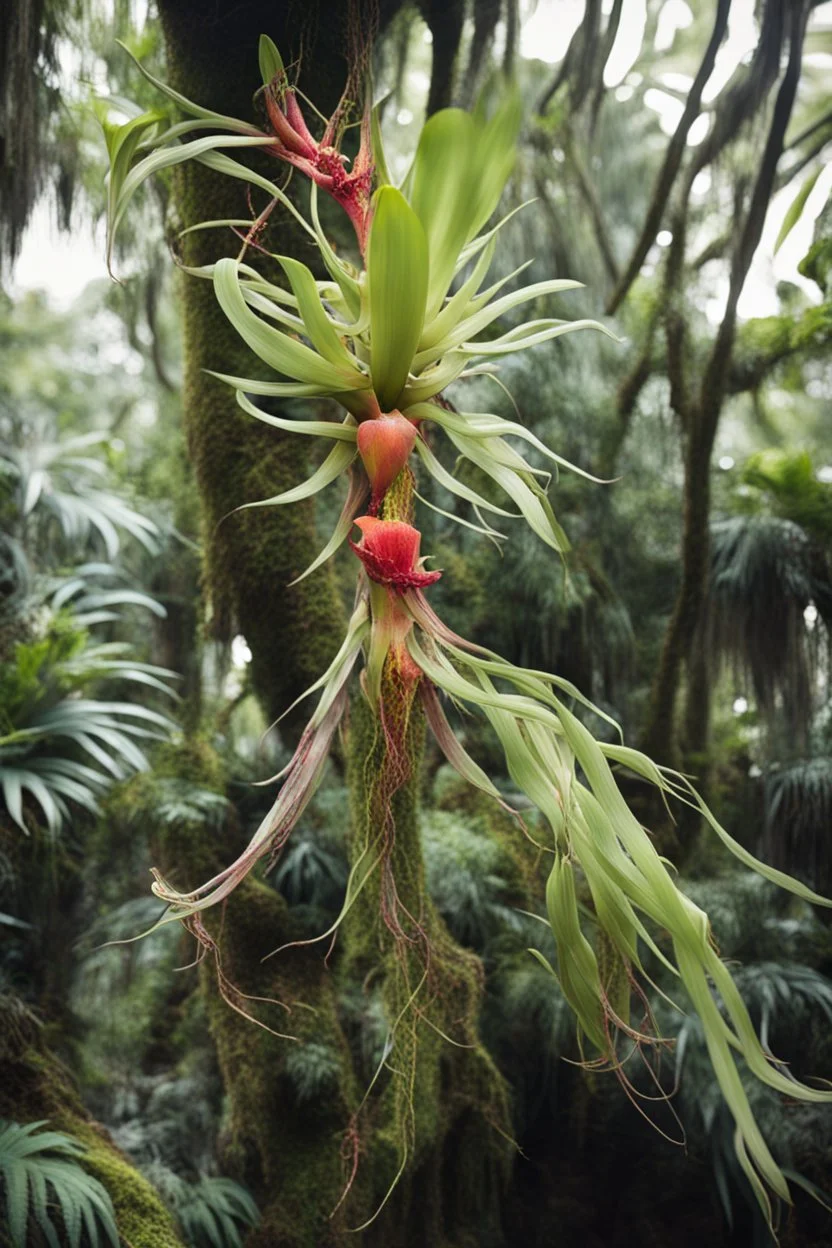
[281,1135]
[35,1085]
[250,557]
[441,1103]
[447,1112]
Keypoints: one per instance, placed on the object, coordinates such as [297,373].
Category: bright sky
[63,264]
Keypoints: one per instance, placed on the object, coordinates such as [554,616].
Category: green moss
[764,336]
[284,1145]
[35,1085]
[817,263]
[444,1105]
[280,1142]
[251,556]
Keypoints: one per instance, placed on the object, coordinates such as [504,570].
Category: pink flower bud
[384,445]
[389,550]
[323,161]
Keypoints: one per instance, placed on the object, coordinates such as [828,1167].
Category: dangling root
[228,990]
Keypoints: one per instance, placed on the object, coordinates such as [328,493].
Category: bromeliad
[384,338]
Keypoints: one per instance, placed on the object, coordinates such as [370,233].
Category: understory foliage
[41,1177]
[211,1212]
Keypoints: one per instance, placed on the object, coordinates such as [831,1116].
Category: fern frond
[41,1177]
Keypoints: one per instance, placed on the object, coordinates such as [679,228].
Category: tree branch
[606,48]
[825,120]
[593,204]
[788,175]
[445,19]
[715,250]
[486,16]
[512,30]
[714,378]
[560,76]
[672,161]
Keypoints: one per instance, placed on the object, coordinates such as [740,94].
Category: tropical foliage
[42,1178]
[421,1033]
[385,357]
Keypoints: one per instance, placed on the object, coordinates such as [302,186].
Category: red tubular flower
[389,550]
[322,161]
[384,445]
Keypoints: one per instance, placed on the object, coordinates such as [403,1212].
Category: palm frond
[765,572]
[211,1212]
[798,818]
[57,746]
[59,481]
[468,879]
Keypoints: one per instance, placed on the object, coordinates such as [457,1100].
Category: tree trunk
[287,1149]
[659,736]
[249,557]
[35,1086]
[284,1149]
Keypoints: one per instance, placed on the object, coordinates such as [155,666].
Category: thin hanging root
[257,226]
[385,776]
[610,1061]
[350,1156]
[230,993]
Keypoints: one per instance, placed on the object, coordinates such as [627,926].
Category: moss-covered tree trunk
[251,557]
[440,1104]
[448,1117]
[35,1086]
[285,1150]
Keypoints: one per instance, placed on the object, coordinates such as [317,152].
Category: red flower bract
[322,161]
[389,550]
[384,445]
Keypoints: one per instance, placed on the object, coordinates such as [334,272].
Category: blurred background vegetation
[675,159]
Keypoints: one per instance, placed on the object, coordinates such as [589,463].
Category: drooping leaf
[795,209]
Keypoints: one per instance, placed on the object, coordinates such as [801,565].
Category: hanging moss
[35,1085]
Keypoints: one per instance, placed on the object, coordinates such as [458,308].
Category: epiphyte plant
[384,338]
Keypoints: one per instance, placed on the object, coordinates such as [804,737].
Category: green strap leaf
[796,207]
[466,329]
[344,432]
[382,173]
[195,110]
[496,153]
[278,350]
[442,194]
[397,263]
[319,328]
[336,462]
[441,475]
[271,62]
[436,329]
[165,158]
